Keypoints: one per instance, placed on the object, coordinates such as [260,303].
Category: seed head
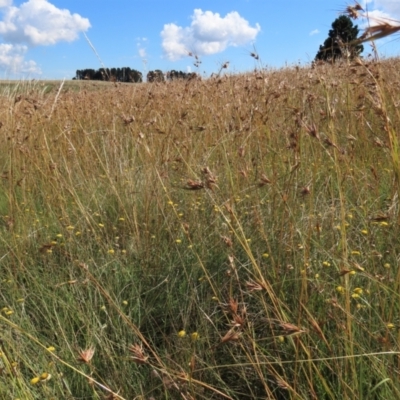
[138,355]
[86,356]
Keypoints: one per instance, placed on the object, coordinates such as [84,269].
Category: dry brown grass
[258,212]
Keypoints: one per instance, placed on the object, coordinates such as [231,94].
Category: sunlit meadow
[229,238]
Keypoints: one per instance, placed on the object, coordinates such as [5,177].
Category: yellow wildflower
[35,380]
[326,264]
[45,376]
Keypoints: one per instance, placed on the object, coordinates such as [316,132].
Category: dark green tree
[155,76]
[340,41]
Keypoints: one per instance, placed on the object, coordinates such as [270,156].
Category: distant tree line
[172,75]
[155,76]
[124,74]
[158,76]
[127,74]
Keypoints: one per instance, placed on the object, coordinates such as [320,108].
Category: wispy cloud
[314,32]
[34,23]
[142,53]
[209,33]
[140,43]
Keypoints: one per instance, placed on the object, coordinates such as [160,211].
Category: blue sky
[48,39]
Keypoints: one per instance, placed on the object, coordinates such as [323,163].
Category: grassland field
[227,238]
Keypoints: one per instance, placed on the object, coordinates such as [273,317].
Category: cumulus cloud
[12,60]
[314,32]
[34,23]
[379,10]
[209,33]
[38,22]
[376,17]
[5,3]
[391,7]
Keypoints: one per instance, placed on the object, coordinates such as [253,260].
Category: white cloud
[376,17]
[38,22]
[382,9]
[142,53]
[314,32]
[34,23]
[208,33]
[12,60]
[140,42]
[392,7]
[5,3]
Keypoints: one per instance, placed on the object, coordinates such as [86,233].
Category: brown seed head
[138,355]
[86,356]
[263,180]
[227,241]
[253,286]
[231,336]
[194,185]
